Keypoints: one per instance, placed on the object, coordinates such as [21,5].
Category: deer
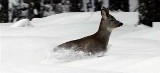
[98,41]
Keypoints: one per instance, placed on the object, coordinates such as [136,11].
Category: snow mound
[129,18]
[22,23]
[156,24]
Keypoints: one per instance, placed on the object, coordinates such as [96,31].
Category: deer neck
[103,33]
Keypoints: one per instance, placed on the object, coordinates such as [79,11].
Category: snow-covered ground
[29,49]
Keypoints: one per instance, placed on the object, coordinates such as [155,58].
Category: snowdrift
[29,49]
[22,23]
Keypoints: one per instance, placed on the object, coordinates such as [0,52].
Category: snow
[22,23]
[133,5]
[15,2]
[132,49]
[156,24]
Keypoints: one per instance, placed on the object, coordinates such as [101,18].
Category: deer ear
[105,12]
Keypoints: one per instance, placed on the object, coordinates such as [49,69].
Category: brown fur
[97,42]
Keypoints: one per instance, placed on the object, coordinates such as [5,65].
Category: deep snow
[132,49]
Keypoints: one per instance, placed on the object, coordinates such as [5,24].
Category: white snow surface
[22,23]
[29,49]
